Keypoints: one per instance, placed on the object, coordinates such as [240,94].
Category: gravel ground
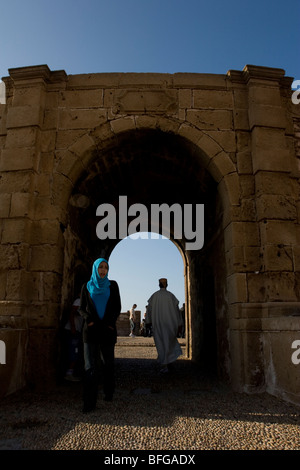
[182,410]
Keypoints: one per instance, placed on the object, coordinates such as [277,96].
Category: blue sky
[138,264]
[150,36]
[165,36]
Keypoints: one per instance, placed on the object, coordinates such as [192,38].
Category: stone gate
[231,142]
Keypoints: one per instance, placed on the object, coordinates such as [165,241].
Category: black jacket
[102,329]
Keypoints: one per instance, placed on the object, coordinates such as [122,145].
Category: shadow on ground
[145,402]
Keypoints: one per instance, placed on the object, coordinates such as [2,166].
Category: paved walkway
[181,411]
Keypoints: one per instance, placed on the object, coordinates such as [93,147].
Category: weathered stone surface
[278,232]
[50,253]
[269,150]
[23,137]
[143,101]
[81,99]
[272,287]
[18,159]
[210,119]
[231,141]
[214,99]
[81,118]
[15,230]
[271,206]
[24,116]
[5,205]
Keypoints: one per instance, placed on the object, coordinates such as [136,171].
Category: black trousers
[99,359]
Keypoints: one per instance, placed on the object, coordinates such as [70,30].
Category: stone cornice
[36,73]
[30,73]
[256,72]
[264,73]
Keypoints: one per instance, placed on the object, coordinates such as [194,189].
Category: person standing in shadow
[100,306]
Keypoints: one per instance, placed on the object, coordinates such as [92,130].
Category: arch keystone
[123,124]
[145,121]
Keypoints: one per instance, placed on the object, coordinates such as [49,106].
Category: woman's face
[102,269]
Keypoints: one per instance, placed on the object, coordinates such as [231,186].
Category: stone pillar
[31,239]
[272,280]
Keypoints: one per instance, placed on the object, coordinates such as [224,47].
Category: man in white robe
[163,312]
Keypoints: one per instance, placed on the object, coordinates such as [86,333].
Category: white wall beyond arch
[2,93]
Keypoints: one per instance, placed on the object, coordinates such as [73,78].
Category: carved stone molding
[135,101]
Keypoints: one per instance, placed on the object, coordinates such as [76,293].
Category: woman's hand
[90,324]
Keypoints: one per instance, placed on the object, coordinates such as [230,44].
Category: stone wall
[229,141]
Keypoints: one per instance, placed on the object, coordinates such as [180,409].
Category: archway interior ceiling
[149,167]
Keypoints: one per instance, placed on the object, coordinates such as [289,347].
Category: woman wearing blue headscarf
[100,307]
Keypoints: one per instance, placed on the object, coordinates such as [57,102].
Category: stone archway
[153,166]
[231,139]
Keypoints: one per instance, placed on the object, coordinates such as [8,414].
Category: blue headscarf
[99,288]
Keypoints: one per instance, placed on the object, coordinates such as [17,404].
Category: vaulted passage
[153,167]
[148,167]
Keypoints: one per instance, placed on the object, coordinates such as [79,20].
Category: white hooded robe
[164,314]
